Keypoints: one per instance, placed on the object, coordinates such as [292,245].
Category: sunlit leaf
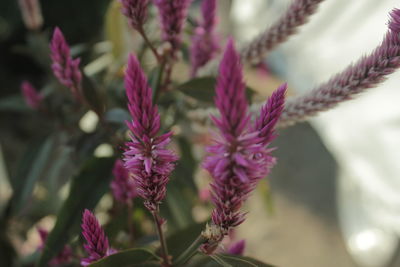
[33,166]
[86,189]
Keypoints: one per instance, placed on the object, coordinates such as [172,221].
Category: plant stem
[147,41]
[164,249]
[190,251]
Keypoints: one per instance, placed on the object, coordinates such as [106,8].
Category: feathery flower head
[32,98]
[237,248]
[146,157]
[205,42]
[31,14]
[270,114]
[172,17]
[96,241]
[135,11]
[208,12]
[394,23]
[123,187]
[296,15]
[367,72]
[64,67]
[63,257]
[239,157]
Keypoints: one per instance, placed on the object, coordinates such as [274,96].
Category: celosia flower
[123,186]
[204,41]
[367,72]
[31,14]
[239,157]
[135,11]
[32,98]
[237,248]
[63,257]
[96,241]
[146,157]
[296,15]
[172,17]
[64,67]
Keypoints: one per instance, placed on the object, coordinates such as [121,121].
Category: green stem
[190,251]
[150,45]
[164,249]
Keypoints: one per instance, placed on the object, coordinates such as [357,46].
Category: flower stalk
[158,221]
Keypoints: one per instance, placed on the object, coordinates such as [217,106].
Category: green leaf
[37,159]
[179,241]
[130,257]
[203,89]
[226,260]
[92,95]
[178,207]
[14,103]
[86,190]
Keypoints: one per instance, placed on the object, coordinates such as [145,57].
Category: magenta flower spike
[239,157]
[135,11]
[237,248]
[270,114]
[64,67]
[96,245]
[204,41]
[172,16]
[123,187]
[368,72]
[63,257]
[31,96]
[146,157]
[297,14]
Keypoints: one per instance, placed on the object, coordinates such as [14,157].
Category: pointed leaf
[86,190]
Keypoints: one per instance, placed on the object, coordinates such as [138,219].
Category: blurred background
[335,197]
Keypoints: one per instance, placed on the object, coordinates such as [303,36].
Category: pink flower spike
[64,67]
[32,98]
[205,42]
[123,186]
[135,11]
[96,241]
[239,157]
[172,17]
[146,156]
[270,114]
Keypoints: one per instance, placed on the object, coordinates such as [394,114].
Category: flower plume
[146,155]
[135,11]
[204,41]
[64,67]
[123,187]
[239,157]
[296,15]
[367,72]
[172,16]
[32,98]
[96,241]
